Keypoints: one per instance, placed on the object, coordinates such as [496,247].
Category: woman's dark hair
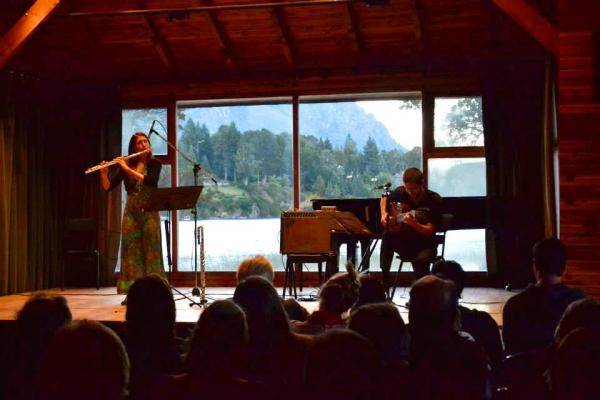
[219,337]
[37,322]
[268,323]
[150,309]
[383,325]
[371,291]
[131,147]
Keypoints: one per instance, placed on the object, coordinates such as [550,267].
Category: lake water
[227,242]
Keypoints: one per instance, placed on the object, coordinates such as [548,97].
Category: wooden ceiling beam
[220,34]
[421,35]
[417,14]
[355,30]
[24,28]
[287,41]
[158,42]
[532,22]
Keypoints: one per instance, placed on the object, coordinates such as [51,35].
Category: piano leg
[351,251]
[331,266]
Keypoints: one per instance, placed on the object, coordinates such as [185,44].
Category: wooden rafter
[219,33]
[359,42]
[532,22]
[158,41]
[421,35]
[417,16]
[24,28]
[285,34]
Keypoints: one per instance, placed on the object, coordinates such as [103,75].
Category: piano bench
[290,274]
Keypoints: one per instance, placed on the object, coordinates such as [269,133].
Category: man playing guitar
[410,215]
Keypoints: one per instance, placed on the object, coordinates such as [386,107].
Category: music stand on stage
[168,199]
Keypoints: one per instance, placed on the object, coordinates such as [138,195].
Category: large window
[247,149]
[348,147]
[456,167]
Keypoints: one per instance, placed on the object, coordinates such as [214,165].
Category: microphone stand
[197,169]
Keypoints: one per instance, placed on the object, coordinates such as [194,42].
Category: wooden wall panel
[579,149]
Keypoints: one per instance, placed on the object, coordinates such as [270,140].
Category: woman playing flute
[141,246]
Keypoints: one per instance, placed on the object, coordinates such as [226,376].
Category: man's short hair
[452,271]
[255,266]
[549,256]
[413,175]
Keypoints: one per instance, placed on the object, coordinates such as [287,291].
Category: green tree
[225,143]
[370,159]
[351,157]
[464,122]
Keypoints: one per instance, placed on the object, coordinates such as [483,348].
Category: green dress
[141,245]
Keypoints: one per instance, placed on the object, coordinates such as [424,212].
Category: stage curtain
[518,110]
[49,133]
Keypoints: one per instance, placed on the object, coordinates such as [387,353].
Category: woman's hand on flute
[122,163]
[104,171]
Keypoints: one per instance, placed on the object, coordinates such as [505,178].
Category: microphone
[151,129]
[384,186]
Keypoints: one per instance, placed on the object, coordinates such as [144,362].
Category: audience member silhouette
[260,265]
[85,360]
[216,359]
[530,317]
[342,365]
[256,266]
[294,310]
[522,375]
[383,326]
[573,374]
[274,351]
[371,291]
[36,324]
[336,297]
[444,363]
[150,340]
[478,324]
[583,313]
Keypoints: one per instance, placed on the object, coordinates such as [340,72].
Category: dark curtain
[516,109]
[49,134]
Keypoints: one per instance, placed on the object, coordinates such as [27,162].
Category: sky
[403,125]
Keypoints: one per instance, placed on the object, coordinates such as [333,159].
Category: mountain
[333,121]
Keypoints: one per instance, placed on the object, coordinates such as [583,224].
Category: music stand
[168,199]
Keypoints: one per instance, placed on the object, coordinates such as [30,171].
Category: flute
[108,164]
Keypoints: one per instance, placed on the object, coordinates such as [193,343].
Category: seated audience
[478,324]
[371,290]
[522,375]
[256,266]
[36,324]
[150,337]
[294,310]
[583,313]
[216,358]
[444,363]
[530,317]
[336,297]
[342,365]
[261,266]
[273,350]
[85,360]
[573,374]
[383,326]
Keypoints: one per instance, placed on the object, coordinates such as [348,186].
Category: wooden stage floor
[105,304]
